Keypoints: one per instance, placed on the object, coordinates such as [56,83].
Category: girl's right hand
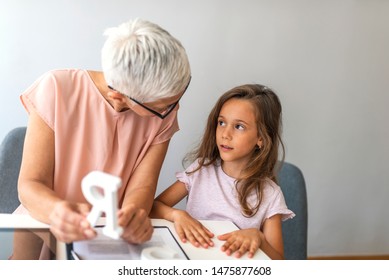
[68,222]
[191,229]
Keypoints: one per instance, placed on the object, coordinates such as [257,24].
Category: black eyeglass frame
[168,110]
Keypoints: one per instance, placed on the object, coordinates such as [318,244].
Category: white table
[9,221]
[211,253]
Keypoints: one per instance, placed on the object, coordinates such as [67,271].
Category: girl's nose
[226,133]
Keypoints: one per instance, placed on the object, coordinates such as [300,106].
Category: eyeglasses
[166,112]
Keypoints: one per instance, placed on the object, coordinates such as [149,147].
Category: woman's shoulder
[66,70]
[66,79]
[66,73]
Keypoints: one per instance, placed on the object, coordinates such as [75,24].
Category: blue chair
[11,150]
[294,231]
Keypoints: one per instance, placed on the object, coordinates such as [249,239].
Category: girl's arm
[186,227]
[272,243]
[163,204]
[269,240]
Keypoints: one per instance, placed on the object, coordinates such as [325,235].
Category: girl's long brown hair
[263,162]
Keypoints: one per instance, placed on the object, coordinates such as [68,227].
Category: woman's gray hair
[142,60]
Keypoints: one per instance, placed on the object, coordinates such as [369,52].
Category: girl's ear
[259,143]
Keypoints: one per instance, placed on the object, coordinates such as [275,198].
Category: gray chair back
[11,150]
[294,231]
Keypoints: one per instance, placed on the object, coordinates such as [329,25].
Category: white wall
[328,61]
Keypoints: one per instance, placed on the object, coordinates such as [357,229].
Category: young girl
[233,177]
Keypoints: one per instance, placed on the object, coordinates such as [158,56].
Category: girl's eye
[239,127]
[220,123]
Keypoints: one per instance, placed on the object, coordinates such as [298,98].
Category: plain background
[327,60]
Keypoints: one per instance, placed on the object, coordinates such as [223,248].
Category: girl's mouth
[225,147]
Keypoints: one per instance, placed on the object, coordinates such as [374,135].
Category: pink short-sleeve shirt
[89,133]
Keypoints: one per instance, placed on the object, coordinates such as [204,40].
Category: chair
[294,231]
[11,150]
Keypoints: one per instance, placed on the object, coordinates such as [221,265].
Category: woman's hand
[136,224]
[191,229]
[68,222]
[242,241]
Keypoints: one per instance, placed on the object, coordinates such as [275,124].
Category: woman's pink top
[89,133]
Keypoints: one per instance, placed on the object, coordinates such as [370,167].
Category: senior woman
[118,120]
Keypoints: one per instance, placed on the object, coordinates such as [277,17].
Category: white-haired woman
[119,120]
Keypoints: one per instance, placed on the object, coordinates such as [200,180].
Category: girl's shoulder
[197,165]
[192,166]
[271,187]
[212,171]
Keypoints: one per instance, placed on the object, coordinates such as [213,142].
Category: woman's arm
[139,196]
[37,170]
[141,188]
[36,178]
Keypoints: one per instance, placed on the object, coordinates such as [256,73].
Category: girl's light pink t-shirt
[89,133]
[212,196]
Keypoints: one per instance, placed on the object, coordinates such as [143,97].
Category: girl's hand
[68,222]
[191,229]
[241,241]
[137,227]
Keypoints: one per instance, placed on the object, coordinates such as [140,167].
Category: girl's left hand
[136,224]
[242,241]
